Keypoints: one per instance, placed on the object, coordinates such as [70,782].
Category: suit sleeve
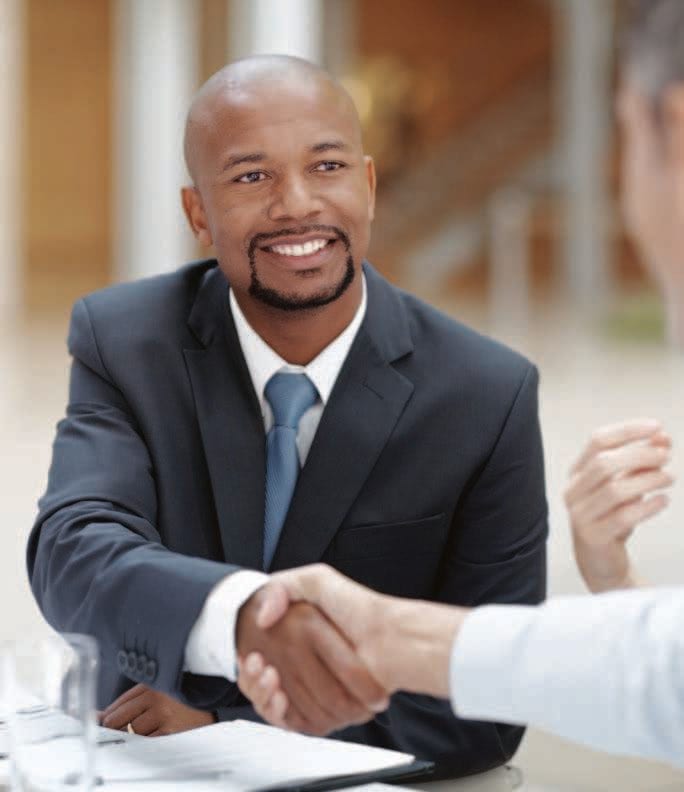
[496,554]
[531,665]
[95,557]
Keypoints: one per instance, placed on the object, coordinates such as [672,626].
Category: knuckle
[614,490]
[596,440]
[603,465]
[624,519]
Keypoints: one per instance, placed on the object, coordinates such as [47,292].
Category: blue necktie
[290,396]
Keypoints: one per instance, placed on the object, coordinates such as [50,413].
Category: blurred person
[196,396]
[605,670]
[615,484]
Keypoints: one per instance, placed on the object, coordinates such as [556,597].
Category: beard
[292,302]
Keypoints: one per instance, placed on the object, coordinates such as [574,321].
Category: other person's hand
[613,487]
[405,644]
[327,685]
[152,713]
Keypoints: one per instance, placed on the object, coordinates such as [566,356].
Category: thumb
[274,604]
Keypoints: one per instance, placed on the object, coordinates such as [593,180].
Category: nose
[294,199]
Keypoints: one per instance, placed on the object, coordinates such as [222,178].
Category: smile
[305,249]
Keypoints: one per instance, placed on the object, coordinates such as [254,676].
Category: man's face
[650,182]
[287,193]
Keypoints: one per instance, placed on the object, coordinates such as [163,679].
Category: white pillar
[156,72]
[283,27]
[585,108]
[11,135]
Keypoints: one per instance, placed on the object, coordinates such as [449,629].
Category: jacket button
[150,671]
[131,662]
[122,660]
[141,665]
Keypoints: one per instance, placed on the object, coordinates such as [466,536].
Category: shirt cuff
[485,662]
[210,649]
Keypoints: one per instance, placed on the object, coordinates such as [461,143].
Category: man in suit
[196,396]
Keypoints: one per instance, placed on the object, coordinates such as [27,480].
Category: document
[245,756]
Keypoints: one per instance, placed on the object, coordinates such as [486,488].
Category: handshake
[319,652]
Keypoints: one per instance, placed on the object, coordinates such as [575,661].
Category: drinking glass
[49,695]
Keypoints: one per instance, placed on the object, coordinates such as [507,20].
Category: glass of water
[49,696]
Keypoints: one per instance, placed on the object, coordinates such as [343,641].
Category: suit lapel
[230,423]
[364,406]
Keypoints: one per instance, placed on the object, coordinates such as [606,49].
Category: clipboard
[418,769]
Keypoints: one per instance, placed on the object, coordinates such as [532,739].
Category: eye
[328,165]
[251,178]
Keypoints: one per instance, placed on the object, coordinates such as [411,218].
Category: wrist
[423,634]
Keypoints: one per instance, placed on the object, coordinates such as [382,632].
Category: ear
[372,182]
[197,218]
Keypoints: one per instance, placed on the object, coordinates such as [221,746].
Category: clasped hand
[322,677]
[403,644]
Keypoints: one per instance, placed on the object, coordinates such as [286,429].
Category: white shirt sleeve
[210,648]
[604,670]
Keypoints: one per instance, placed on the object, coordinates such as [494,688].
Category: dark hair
[653,44]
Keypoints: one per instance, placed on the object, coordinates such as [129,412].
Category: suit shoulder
[148,308]
[448,343]
[144,315]
[149,300]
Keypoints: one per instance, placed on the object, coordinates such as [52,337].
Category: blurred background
[492,126]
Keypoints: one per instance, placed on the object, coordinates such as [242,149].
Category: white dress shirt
[210,648]
[604,670]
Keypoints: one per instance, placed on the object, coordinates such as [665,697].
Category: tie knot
[290,396]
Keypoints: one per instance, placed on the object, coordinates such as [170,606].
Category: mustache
[259,240]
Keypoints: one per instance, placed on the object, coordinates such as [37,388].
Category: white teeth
[307,249]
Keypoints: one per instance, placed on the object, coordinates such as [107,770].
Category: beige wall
[67,153]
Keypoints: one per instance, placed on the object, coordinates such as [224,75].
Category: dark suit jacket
[425,479]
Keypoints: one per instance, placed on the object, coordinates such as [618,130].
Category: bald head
[256,80]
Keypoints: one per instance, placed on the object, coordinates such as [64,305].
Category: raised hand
[327,686]
[614,486]
[405,644]
[152,713]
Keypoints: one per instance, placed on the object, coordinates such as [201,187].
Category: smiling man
[278,405]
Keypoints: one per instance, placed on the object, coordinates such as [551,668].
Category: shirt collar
[263,362]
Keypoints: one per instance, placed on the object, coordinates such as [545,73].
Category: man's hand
[613,487]
[152,713]
[327,685]
[405,645]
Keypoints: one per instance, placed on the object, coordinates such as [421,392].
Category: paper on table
[252,756]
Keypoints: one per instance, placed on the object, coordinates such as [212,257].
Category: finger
[318,696]
[148,722]
[617,493]
[249,673]
[339,705]
[131,693]
[301,709]
[342,661]
[263,689]
[609,464]
[273,703]
[254,664]
[635,513]
[128,711]
[661,439]
[615,435]
[338,597]
[276,710]
[274,605]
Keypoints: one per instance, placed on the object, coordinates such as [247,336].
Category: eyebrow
[239,159]
[329,145]
[260,156]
